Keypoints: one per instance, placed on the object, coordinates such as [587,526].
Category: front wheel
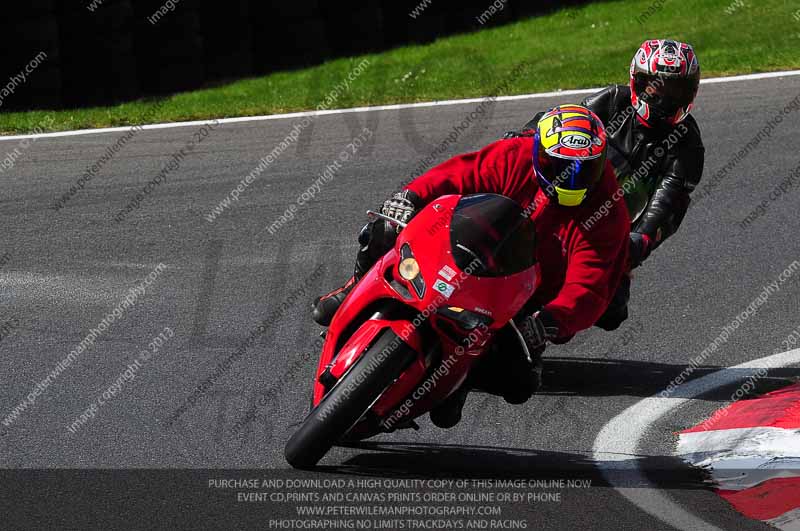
[350,398]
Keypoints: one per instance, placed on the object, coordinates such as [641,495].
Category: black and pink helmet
[665,75]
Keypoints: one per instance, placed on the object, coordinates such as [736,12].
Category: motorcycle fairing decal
[447,273]
[444,288]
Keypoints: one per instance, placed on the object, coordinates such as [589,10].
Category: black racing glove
[401,206]
[641,245]
[536,330]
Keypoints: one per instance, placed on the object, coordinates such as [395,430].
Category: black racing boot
[323,308]
[448,413]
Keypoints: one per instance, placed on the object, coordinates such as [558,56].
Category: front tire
[350,398]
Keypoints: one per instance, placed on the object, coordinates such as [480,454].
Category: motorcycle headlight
[409,270]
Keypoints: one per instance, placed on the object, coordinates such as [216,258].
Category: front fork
[359,343]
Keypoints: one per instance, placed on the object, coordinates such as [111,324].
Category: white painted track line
[443,103]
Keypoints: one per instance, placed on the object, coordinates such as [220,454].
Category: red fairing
[498,297]
[371,288]
[582,251]
[365,335]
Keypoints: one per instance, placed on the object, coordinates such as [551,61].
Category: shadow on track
[612,377]
[425,460]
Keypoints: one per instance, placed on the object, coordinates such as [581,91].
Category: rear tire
[348,400]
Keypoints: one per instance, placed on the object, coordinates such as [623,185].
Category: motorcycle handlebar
[372,216]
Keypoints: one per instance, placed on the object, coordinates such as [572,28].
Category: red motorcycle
[407,335]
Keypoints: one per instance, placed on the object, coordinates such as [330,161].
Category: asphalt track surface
[67,269]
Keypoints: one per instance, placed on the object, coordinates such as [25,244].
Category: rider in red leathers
[560,175]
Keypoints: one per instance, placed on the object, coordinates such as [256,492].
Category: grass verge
[572,48]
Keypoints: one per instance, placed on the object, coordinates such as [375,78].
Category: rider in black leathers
[654,146]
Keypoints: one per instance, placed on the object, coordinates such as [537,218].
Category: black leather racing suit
[657,170]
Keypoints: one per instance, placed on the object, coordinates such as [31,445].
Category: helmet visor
[666,94]
[567,179]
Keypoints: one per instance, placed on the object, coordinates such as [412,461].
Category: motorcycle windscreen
[490,236]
